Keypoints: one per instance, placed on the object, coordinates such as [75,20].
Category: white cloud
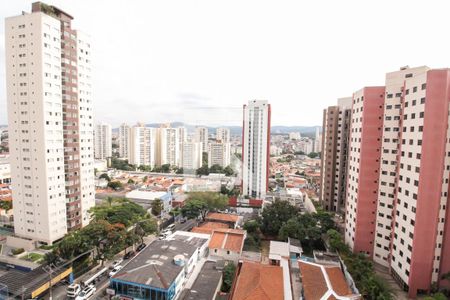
[299,55]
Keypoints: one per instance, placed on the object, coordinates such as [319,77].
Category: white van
[73,290]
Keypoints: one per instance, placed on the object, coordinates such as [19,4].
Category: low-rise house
[209,227]
[258,281]
[324,282]
[162,268]
[231,220]
[279,255]
[227,244]
[143,196]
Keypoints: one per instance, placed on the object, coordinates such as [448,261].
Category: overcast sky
[199,61]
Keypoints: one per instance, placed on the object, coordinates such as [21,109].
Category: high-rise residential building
[398,205]
[124,141]
[48,71]
[192,156]
[305,145]
[142,151]
[103,141]
[169,146]
[413,218]
[318,141]
[219,154]
[295,135]
[363,168]
[223,134]
[335,134]
[201,135]
[182,138]
[255,148]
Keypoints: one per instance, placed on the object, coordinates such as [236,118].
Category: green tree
[50,258]
[105,176]
[203,170]
[218,169]
[194,208]
[275,215]
[157,207]
[123,212]
[313,155]
[252,226]
[228,171]
[204,158]
[144,228]
[165,168]
[121,164]
[229,271]
[180,171]
[131,181]
[436,296]
[6,205]
[213,200]
[115,185]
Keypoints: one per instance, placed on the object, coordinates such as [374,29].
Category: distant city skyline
[204,70]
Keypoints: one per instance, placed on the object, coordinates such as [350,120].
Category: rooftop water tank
[179,260]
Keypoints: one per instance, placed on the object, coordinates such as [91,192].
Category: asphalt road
[59,290]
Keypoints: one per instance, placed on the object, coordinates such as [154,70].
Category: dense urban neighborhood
[357,208]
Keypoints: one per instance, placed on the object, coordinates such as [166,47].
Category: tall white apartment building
[50,123]
[103,141]
[201,135]
[294,135]
[192,156]
[142,151]
[169,146]
[255,148]
[318,141]
[219,154]
[124,140]
[182,138]
[223,134]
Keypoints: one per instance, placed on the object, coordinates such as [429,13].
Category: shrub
[18,251]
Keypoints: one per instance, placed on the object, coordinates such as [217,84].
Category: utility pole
[50,273]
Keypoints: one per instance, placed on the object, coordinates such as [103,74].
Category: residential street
[59,291]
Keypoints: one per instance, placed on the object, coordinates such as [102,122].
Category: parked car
[141,247]
[73,290]
[86,293]
[171,227]
[115,270]
[129,255]
[165,234]
[183,220]
[116,263]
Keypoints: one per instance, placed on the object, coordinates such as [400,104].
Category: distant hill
[237,130]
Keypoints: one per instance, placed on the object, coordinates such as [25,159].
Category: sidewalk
[384,273]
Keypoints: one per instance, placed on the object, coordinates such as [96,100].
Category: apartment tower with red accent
[48,76]
[363,168]
[408,229]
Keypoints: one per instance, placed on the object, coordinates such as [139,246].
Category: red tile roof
[258,282]
[222,217]
[315,284]
[228,239]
